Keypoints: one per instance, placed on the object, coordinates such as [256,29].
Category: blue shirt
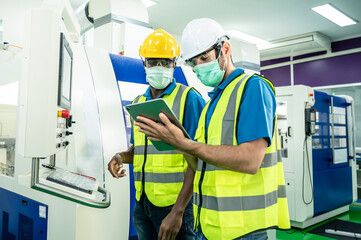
[258,109]
[193,109]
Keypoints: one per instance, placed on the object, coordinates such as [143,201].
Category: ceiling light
[334,15]
[245,37]
[148,3]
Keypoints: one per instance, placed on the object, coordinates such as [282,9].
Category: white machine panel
[39,86]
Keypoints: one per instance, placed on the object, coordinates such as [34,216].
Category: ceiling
[265,19]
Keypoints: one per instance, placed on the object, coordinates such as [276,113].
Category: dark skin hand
[116,163]
[172,223]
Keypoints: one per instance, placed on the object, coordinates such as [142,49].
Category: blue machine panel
[332,183]
[128,69]
[22,218]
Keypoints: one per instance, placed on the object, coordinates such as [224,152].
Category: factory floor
[354,215]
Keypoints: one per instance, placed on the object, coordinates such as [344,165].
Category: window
[355,93]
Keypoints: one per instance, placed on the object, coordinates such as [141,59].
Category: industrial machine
[55,144]
[318,150]
[56,141]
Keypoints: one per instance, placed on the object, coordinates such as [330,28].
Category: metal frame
[63,194]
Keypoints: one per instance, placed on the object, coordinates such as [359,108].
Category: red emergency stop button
[64,114]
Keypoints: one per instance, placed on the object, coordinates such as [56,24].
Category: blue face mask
[159,77]
[209,73]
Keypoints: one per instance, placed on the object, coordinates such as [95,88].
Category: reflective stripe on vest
[163,170]
[234,204]
[245,203]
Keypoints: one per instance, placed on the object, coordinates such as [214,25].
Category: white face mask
[159,77]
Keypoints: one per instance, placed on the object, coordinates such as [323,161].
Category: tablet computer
[151,109]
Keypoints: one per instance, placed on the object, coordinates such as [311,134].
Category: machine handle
[66,195]
[332,131]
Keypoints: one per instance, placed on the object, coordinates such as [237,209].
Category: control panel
[63,128]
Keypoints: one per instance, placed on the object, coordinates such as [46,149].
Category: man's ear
[226,47]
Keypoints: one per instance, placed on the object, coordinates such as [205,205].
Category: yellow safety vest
[229,204]
[160,174]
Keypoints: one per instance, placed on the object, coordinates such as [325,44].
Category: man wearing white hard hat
[239,187]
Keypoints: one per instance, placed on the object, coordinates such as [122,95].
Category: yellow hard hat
[159,44]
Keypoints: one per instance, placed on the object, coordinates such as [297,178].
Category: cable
[15,46]
[303,174]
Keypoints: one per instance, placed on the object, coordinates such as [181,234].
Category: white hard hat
[199,35]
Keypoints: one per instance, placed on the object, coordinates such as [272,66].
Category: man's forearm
[128,155]
[191,160]
[246,157]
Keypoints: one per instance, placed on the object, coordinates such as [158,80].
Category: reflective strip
[245,203]
[282,191]
[230,114]
[177,100]
[269,160]
[199,165]
[139,150]
[160,177]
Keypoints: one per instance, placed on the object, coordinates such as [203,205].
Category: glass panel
[10,69]
[355,93]
[316,143]
[7,156]
[8,115]
[340,142]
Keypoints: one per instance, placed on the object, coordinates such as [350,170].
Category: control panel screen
[65,73]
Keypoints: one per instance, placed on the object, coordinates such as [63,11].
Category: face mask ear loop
[143,61]
[225,60]
[224,66]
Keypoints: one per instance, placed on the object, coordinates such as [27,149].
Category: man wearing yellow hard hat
[163,180]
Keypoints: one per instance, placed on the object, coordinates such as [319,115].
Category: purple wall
[329,71]
[278,76]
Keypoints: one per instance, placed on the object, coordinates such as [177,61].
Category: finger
[113,169]
[122,173]
[145,131]
[164,119]
[174,236]
[165,235]
[154,139]
[160,234]
[145,120]
[144,127]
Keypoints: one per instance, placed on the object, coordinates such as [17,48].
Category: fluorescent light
[334,15]
[148,3]
[245,37]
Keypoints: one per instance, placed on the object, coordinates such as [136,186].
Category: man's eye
[203,58]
